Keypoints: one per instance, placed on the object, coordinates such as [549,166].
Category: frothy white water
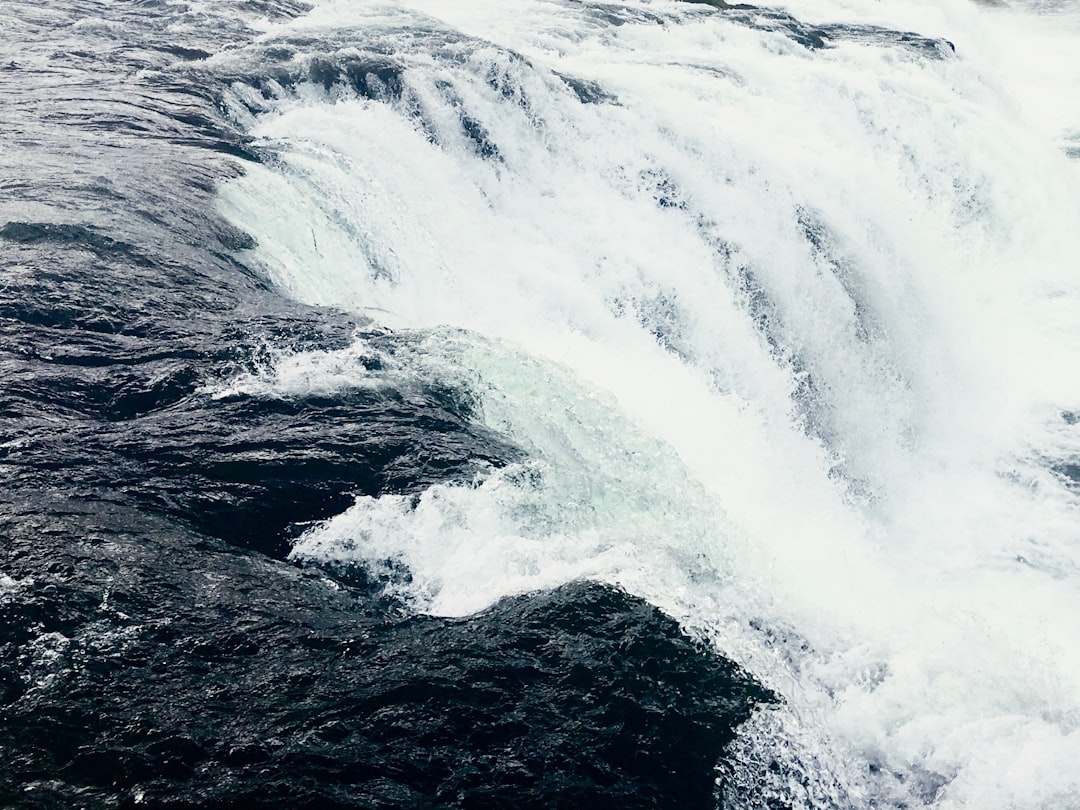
[787,335]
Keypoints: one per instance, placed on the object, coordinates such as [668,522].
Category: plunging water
[784,318]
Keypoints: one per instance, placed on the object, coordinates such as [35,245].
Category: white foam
[284,374]
[8,585]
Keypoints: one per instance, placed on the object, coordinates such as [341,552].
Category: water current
[344,343]
[783,310]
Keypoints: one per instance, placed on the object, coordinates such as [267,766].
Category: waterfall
[781,306]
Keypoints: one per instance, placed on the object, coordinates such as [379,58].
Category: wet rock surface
[146,666]
[828,34]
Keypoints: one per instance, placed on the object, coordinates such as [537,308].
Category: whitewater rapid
[789,337]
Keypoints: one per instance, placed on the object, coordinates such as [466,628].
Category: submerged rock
[815,37]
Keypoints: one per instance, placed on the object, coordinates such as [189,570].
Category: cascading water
[767,315]
[788,333]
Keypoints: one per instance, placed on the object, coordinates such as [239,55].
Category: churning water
[323,329]
[782,306]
